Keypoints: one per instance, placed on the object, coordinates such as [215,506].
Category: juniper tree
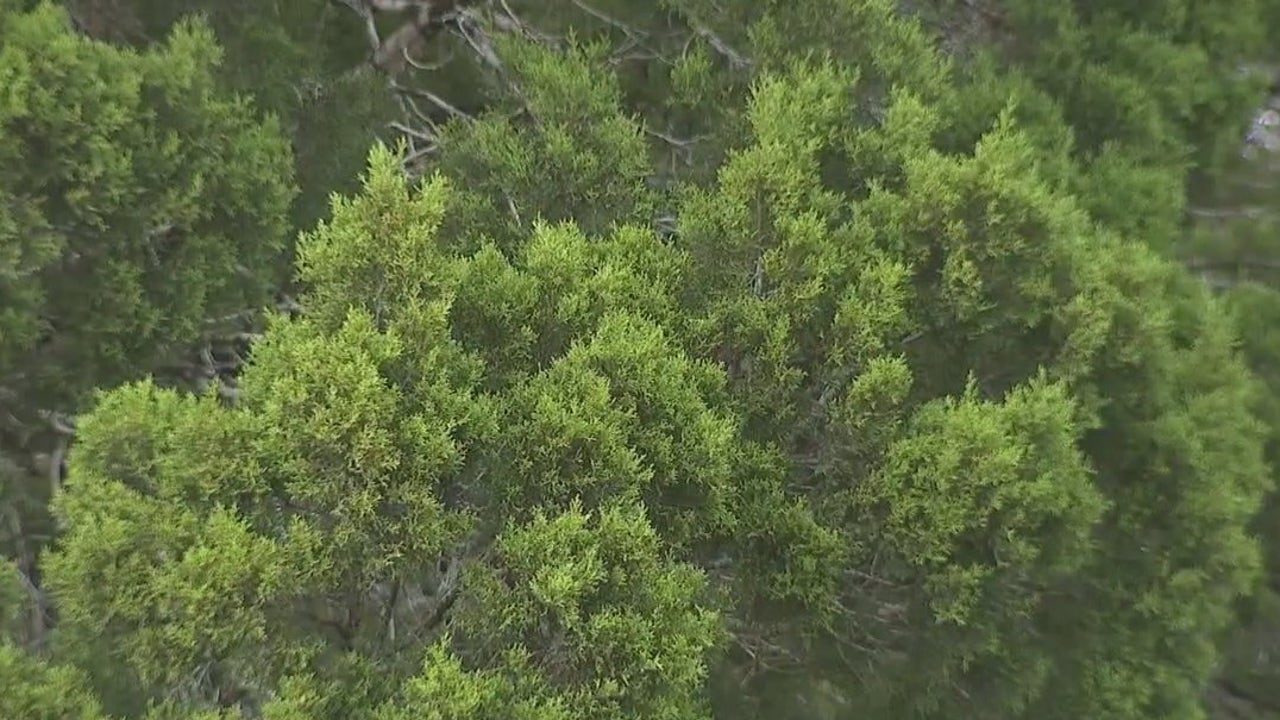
[882,427]
[137,202]
[305,62]
[867,409]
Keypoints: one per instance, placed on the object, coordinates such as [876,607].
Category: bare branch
[365,11]
[419,134]
[434,100]
[510,22]
[631,33]
[428,19]
[736,59]
[469,28]
[1249,263]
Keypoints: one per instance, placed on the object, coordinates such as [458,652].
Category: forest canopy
[581,361]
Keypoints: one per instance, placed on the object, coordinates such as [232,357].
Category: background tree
[1232,248]
[303,61]
[137,202]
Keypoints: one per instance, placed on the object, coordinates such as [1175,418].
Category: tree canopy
[824,359]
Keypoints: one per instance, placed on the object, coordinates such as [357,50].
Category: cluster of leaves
[138,201]
[893,418]
[301,61]
[119,231]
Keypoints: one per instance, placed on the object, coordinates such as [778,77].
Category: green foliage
[567,126]
[15,602]
[364,444]
[595,595]
[40,691]
[301,60]
[979,275]
[901,416]
[1150,90]
[133,190]
[138,202]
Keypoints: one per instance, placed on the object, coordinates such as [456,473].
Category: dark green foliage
[140,201]
[301,60]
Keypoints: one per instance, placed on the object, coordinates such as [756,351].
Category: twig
[435,100]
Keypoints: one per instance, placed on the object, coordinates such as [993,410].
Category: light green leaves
[1003,481]
[373,453]
[612,625]
[37,690]
[623,415]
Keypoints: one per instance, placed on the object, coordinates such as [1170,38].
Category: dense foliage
[823,359]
